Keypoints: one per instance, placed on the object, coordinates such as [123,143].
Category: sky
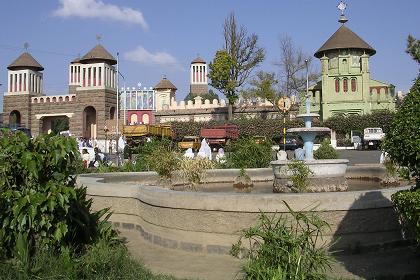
[156,38]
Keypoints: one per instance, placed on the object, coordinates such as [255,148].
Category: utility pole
[118,110]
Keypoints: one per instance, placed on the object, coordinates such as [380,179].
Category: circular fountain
[326,175]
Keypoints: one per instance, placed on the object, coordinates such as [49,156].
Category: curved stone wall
[210,222]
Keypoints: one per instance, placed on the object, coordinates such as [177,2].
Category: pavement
[399,262]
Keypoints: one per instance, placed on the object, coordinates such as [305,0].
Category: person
[204,151]
[281,155]
[97,159]
[189,153]
[85,158]
[220,157]
[383,157]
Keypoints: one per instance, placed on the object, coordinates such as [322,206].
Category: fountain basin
[327,175]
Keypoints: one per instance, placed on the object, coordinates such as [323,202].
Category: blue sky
[158,37]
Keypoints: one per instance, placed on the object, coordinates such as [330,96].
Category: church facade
[91,100]
[346,86]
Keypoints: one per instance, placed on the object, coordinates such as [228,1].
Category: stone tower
[93,78]
[164,93]
[346,87]
[198,77]
[25,81]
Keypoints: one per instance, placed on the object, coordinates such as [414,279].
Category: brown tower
[198,77]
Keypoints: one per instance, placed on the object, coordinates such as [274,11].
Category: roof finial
[164,76]
[342,6]
[26,46]
[98,38]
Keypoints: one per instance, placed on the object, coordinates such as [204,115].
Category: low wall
[211,222]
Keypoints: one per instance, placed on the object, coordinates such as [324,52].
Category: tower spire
[342,7]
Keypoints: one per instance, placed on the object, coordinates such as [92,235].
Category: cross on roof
[98,38]
[342,6]
[26,46]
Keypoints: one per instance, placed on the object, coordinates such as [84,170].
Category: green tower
[346,86]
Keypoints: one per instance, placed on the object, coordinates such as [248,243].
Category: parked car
[25,130]
[192,142]
[292,142]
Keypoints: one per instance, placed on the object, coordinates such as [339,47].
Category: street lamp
[307,87]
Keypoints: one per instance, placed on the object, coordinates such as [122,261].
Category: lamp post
[307,86]
[118,110]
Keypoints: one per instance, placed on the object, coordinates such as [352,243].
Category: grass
[100,262]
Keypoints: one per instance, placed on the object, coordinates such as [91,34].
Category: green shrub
[100,261]
[245,153]
[145,149]
[285,247]
[325,151]
[194,169]
[40,205]
[164,161]
[407,203]
[402,142]
[300,175]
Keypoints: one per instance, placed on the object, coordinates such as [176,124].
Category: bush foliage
[407,203]
[193,170]
[40,205]
[325,151]
[246,153]
[402,142]
[285,247]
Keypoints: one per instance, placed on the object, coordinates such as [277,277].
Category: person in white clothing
[189,153]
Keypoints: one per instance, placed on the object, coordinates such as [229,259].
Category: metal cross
[98,38]
[26,46]
[342,6]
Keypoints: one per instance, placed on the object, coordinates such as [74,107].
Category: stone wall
[210,222]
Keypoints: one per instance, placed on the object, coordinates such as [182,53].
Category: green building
[346,87]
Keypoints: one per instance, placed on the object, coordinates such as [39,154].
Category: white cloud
[98,9]
[143,56]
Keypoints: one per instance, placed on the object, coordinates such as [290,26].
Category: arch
[60,99]
[133,119]
[15,118]
[47,99]
[112,113]
[89,122]
[66,99]
[54,99]
[345,85]
[337,85]
[353,84]
[41,100]
[146,119]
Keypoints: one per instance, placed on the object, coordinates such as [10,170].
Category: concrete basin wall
[211,222]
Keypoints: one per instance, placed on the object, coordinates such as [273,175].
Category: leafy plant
[194,170]
[285,247]
[164,161]
[402,142]
[245,153]
[407,203]
[325,151]
[300,173]
[39,201]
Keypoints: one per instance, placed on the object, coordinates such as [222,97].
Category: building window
[89,76]
[11,83]
[24,82]
[78,74]
[94,76]
[353,84]
[99,76]
[84,77]
[337,85]
[345,85]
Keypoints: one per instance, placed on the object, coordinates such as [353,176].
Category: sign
[284,103]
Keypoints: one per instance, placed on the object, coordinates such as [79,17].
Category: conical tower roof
[344,38]
[165,84]
[98,53]
[198,60]
[25,61]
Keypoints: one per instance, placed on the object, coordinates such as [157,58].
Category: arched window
[345,85]
[133,119]
[337,85]
[353,84]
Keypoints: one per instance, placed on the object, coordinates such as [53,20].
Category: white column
[9,82]
[41,82]
[70,74]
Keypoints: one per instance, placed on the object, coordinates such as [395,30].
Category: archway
[55,124]
[14,118]
[145,118]
[89,123]
[112,113]
[133,119]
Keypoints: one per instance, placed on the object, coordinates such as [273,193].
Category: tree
[293,62]
[402,142]
[210,96]
[413,48]
[244,55]
[263,86]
